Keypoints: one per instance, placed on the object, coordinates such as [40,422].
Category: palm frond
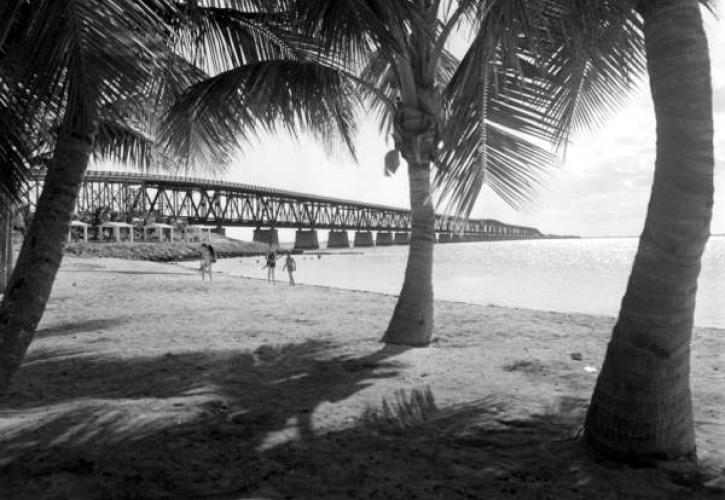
[228,34]
[354,28]
[381,88]
[594,57]
[217,115]
[516,168]
[102,47]
[555,67]
[15,150]
[122,143]
[504,46]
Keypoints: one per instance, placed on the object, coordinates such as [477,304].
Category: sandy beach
[145,382]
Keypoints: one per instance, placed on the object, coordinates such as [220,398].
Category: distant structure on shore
[175,199]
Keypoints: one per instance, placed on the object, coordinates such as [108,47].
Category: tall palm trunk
[412,321]
[416,128]
[30,284]
[6,243]
[641,407]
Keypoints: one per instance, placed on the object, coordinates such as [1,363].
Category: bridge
[204,201]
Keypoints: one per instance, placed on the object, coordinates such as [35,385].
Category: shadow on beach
[242,425]
[75,327]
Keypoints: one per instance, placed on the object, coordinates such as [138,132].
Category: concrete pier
[383,239]
[402,239]
[306,240]
[363,239]
[338,239]
[266,236]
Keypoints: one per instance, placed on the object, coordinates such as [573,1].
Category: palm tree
[262,74]
[103,71]
[478,119]
[70,60]
[432,103]
[641,407]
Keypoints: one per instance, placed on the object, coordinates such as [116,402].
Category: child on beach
[208,257]
[291,267]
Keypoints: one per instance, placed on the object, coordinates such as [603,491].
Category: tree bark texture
[40,256]
[412,321]
[641,408]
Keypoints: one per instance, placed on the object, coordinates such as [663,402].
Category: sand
[145,382]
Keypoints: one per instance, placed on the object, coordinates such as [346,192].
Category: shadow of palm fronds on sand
[201,429]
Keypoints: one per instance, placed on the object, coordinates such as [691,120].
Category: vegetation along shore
[165,251]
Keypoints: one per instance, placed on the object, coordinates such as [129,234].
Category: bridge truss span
[205,201]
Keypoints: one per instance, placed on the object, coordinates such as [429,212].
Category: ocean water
[578,275]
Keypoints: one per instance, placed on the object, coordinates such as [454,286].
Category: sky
[601,189]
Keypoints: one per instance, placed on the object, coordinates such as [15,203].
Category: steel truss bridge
[211,202]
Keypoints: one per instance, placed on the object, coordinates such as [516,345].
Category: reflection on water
[587,275]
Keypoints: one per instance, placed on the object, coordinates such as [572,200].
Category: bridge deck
[209,201]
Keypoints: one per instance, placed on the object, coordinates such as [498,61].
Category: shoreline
[282,281]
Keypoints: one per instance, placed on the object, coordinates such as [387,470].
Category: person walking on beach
[208,257]
[270,265]
[291,266]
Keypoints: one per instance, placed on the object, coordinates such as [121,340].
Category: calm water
[587,275]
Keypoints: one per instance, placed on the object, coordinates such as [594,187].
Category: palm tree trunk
[641,407]
[40,256]
[6,244]
[412,321]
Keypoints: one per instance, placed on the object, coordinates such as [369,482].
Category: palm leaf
[15,151]
[226,35]
[219,114]
[122,143]
[516,168]
[353,28]
[103,47]
[594,58]
[554,67]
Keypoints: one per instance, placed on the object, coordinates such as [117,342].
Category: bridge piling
[363,239]
[306,240]
[383,238]
[266,236]
[402,239]
[338,239]
[444,238]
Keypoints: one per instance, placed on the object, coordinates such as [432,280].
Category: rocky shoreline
[164,251]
